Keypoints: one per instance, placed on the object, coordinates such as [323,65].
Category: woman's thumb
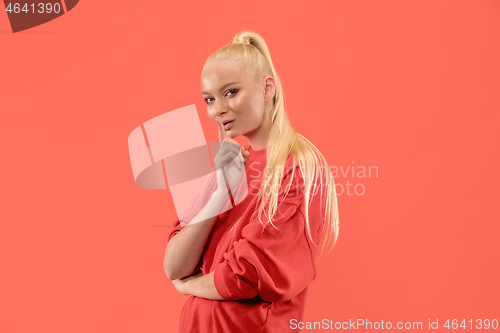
[245,153]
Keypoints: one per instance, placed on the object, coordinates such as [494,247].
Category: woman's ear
[270,88]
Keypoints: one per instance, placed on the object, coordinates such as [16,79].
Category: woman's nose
[220,109]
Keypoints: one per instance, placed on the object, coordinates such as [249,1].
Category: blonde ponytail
[252,53]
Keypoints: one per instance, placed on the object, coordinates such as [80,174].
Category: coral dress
[262,273]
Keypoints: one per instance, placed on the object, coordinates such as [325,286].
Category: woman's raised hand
[229,163]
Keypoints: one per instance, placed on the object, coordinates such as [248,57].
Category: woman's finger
[244,153]
[224,159]
[222,132]
[228,146]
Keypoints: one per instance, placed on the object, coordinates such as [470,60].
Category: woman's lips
[228,125]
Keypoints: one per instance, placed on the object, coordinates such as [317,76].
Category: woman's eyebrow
[222,88]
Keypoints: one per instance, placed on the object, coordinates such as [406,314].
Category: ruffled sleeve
[274,264]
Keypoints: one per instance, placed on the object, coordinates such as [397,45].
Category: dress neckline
[261,151]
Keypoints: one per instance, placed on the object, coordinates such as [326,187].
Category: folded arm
[198,285]
[184,250]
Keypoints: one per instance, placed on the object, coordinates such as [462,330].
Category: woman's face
[233,95]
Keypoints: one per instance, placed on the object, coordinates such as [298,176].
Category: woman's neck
[259,137]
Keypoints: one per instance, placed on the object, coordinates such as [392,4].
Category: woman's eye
[232,91]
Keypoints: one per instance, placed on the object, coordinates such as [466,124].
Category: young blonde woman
[247,269]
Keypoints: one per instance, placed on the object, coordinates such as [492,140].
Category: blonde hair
[253,54]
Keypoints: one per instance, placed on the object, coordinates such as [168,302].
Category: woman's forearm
[185,249]
[200,286]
